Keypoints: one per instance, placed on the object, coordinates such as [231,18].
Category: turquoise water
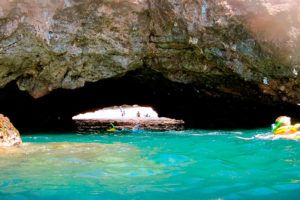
[193,164]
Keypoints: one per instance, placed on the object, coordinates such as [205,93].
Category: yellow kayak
[286,130]
[111,130]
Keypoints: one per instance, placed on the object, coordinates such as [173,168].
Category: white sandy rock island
[125,118]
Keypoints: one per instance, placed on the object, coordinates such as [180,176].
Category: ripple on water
[164,165]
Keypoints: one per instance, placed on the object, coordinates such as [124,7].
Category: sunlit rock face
[9,135]
[241,48]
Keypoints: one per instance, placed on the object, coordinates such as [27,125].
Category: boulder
[9,135]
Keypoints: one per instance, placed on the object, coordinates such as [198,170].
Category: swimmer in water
[281,129]
[283,126]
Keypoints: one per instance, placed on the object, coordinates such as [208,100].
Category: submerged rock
[9,135]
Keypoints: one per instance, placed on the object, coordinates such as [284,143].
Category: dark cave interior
[54,111]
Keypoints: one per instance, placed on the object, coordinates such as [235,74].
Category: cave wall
[54,111]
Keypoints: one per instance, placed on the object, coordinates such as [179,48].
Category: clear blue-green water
[192,164]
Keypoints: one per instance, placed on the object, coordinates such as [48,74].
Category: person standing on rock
[122,111]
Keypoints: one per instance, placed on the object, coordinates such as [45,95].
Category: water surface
[192,164]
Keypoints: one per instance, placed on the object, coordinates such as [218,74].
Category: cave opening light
[124,112]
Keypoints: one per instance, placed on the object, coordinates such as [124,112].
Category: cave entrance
[195,104]
[125,117]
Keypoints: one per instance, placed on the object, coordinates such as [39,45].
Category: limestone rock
[219,46]
[9,135]
[160,124]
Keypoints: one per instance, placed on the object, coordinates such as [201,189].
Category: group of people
[138,114]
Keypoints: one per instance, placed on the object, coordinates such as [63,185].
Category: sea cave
[179,101]
[219,82]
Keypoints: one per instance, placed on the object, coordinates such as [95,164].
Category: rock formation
[160,124]
[243,49]
[9,135]
[53,44]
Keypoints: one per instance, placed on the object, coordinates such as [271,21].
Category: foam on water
[194,164]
